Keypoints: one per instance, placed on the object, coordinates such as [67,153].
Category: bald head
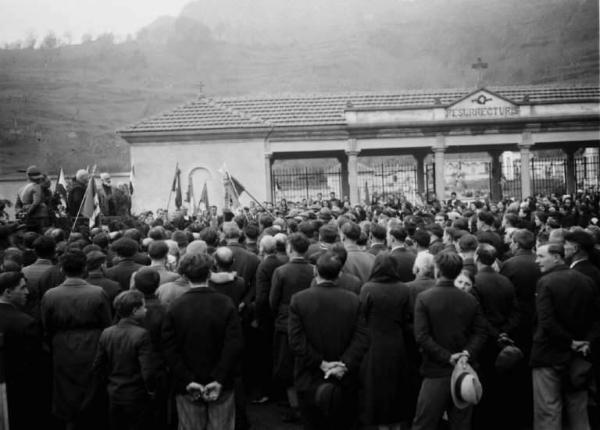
[268,245]
[224,258]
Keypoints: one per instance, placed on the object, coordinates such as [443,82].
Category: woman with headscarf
[388,378]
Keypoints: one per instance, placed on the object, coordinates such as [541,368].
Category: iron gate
[387,181]
[297,184]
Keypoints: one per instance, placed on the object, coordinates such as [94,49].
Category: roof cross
[480,66]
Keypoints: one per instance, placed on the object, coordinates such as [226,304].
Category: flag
[204,197]
[91,204]
[176,188]
[189,196]
[132,179]
[60,190]
[238,188]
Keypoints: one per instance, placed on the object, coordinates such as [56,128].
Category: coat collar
[74,282]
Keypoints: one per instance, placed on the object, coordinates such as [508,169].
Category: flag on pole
[176,188]
[60,188]
[204,197]
[132,179]
[189,196]
[91,203]
[238,188]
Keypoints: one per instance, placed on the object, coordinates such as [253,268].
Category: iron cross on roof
[480,66]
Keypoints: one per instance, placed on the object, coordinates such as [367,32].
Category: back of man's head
[328,233]
[224,258]
[128,301]
[486,254]
[421,237]
[268,245]
[583,239]
[299,243]
[72,263]
[158,250]
[486,217]
[102,240]
[398,233]
[436,230]
[125,248]
[351,231]
[195,267]
[524,239]
[146,280]
[329,266]
[94,260]
[251,231]
[231,231]
[467,243]
[378,232]
[449,264]
[44,247]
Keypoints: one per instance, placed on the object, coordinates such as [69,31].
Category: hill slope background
[61,106]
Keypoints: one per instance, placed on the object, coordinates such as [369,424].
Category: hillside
[61,106]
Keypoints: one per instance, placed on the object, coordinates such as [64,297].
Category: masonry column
[438,155]
[352,154]
[420,160]
[496,175]
[570,170]
[525,149]
[268,165]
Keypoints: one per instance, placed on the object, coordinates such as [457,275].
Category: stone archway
[197,177]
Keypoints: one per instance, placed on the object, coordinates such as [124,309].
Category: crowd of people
[388,315]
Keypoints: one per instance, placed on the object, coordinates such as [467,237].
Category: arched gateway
[502,141]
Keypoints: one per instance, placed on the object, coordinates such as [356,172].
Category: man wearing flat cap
[30,201]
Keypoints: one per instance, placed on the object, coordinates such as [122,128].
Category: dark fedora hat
[328,398]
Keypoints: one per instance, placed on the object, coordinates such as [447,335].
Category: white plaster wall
[155,168]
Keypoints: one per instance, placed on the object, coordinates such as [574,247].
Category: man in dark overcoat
[74,315]
[22,348]
[496,295]
[567,323]
[328,339]
[202,340]
[523,273]
[449,326]
[292,277]
[404,257]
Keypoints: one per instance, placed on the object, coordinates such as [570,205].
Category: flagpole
[83,200]
[171,192]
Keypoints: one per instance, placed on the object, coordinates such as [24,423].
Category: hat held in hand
[465,387]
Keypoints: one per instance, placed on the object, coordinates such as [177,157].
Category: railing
[297,184]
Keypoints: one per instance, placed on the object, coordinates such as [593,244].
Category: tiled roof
[328,109]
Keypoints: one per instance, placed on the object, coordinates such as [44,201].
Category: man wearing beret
[126,249]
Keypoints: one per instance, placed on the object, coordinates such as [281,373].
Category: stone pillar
[525,149]
[420,160]
[268,165]
[344,177]
[352,158]
[438,156]
[496,175]
[570,173]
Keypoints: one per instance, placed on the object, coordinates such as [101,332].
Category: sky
[18,18]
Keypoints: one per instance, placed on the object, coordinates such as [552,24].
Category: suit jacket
[122,271]
[325,324]
[264,274]
[229,284]
[447,321]
[110,287]
[75,197]
[567,309]
[376,248]
[245,264]
[22,353]
[523,273]
[202,338]
[288,279]
[74,315]
[34,274]
[589,269]
[405,259]
[497,298]
[359,263]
